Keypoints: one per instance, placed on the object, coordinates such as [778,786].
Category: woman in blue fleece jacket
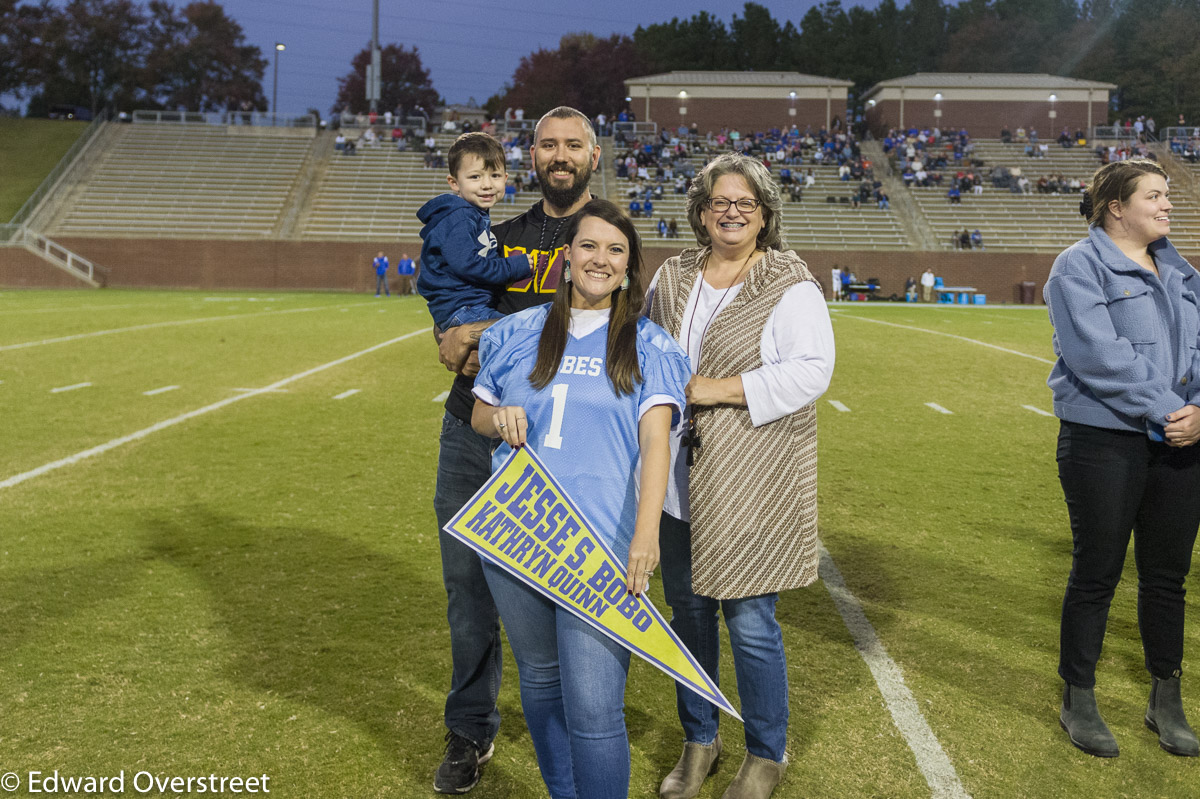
[1124,307]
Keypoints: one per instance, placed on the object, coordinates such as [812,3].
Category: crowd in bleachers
[1187,148]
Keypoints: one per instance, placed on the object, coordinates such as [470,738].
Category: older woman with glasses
[740,518]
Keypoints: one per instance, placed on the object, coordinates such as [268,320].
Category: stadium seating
[183,181]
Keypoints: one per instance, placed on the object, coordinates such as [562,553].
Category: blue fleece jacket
[1126,340]
[460,265]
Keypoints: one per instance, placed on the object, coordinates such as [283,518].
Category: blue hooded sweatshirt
[460,264]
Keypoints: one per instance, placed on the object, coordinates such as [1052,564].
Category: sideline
[70,460]
[948,335]
[935,766]
[172,323]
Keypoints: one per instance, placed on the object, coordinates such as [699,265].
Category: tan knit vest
[753,489]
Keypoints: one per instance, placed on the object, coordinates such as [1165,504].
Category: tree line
[124,54]
[117,53]
[1148,48]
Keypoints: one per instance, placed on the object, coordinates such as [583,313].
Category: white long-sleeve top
[797,352]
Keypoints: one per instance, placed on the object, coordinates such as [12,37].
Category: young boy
[460,267]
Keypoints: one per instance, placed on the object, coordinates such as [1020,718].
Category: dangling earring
[625,283]
[566,275]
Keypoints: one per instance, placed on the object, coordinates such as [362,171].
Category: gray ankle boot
[697,762]
[1081,719]
[756,779]
[1165,717]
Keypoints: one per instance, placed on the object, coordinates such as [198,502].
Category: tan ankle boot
[697,762]
[756,779]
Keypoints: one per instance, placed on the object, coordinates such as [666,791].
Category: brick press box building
[984,102]
[744,101]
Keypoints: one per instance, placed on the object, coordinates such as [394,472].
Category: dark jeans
[381,284]
[464,464]
[1116,482]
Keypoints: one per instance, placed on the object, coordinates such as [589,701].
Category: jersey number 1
[553,439]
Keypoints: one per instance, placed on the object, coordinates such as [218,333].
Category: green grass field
[255,589]
[29,149]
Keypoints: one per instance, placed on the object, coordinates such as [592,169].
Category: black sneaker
[461,765]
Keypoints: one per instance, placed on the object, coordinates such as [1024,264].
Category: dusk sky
[470,47]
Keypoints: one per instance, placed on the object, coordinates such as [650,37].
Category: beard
[564,196]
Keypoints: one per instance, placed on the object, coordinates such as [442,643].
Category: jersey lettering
[572,365]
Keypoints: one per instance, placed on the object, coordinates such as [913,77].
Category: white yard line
[939,408]
[261,390]
[345,394]
[445,395]
[71,460]
[71,387]
[162,390]
[949,335]
[935,766]
[152,325]
[839,406]
[1038,411]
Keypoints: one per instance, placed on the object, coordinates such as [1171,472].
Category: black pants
[1116,482]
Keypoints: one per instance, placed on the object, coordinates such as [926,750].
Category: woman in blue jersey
[594,389]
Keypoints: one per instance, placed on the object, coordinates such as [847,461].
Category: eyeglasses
[719,205]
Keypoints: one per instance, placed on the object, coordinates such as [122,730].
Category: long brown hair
[621,361]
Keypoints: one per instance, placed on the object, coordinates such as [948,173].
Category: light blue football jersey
[585,433]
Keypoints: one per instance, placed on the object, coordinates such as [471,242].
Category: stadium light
[279,48]
[1053,113]
[937,111]
[792,110]
[682,106]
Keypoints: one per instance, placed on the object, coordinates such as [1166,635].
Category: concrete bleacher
[377,191]
[180,181]
[812,223]
[1032,222]
[185,181]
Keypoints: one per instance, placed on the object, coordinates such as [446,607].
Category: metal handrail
[25,211]
[249,118]
[1118,132]
[21,236]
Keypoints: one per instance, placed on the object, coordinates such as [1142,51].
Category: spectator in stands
[976,239]
[927,283]
[635,208]
[405,268]
[339,142]
[648,208]
[955,241]
[954,194]
[457,280]
[881,199]
[1127,455]
[381,269]
[964,239]
[1021,137]
[662,228]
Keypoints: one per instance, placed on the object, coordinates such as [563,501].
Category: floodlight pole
[374,78]
[279,47]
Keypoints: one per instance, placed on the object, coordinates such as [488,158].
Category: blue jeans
[572,692]
[757,642]
[466,314]
[464,464]
[381,283]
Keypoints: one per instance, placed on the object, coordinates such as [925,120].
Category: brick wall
[22,269]
[346,266]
